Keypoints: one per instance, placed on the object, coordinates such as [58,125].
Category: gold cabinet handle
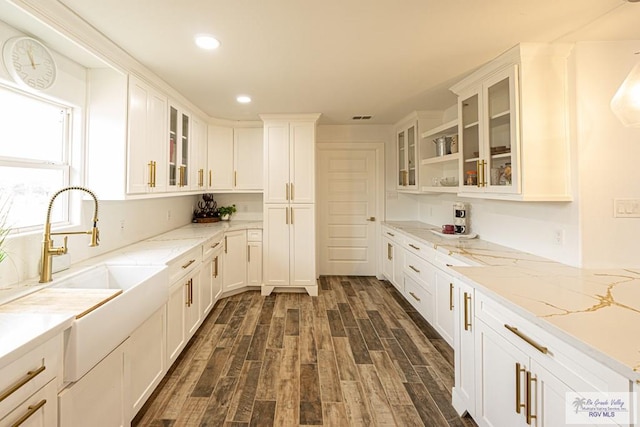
[210,177]
[201,177]
[389,251]
[391,234]
[450,296]
[215,267]
[484,173]
[542,349]
[235,178]
[414,296]
[15,387]
[287,191]
[248,253]
[414,247]
[31,409]
[291,209]
[155,170]
[225,244]
[478,173]
[371,219]
[150,183]
[467,317]
[186,302]
[519,370]
[528,392]
[414,269]
[286,221]
[188,263]
[215,245]
[190,292]
[292,190]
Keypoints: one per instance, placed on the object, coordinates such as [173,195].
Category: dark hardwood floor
[356,355]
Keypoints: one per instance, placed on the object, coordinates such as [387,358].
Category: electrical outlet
[626,208]
[558,237]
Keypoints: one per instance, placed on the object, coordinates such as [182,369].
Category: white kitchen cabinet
[211,274]
[235,158]
[146,146]
[289,159]
[393,256]
[254,257]
[234,264]
[38,410]
[289,242]
[198,154]
[407,155]
[463,393]
[418,284]
[513,128]
[38,374]
[97,399]
[443,307]
[144,361]
[182,271]
[178,150]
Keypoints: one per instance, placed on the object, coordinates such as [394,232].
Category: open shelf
[441,159]
[439,189]
[445,129]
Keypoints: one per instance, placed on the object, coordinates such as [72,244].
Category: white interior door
[349,191]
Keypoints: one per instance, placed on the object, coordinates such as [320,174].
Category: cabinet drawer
[419,297]
[390,233]
[443,261]
[209,247]
[254,235]
[423,250]
[39,409]
[547,349]
[185,264]
[23,377]
[420,270]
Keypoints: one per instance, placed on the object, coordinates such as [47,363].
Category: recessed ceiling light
[207,41]
[243,99]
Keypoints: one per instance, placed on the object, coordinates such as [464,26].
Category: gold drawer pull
[414,296]
[389,251]
[32,409]
[391,234]
[519,370]
[28,377]
[189,263]
[414,269]
[540,348]
[450,296]
[414,247]
[528,392]
[215,246]
[467,320]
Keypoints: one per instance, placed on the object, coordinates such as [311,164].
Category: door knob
[371,218]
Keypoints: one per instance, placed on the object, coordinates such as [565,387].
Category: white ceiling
[339,57]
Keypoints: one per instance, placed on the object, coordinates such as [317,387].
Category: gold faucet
[48,250]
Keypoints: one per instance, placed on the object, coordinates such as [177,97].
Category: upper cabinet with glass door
[513,126]
[408,149]
[179,144]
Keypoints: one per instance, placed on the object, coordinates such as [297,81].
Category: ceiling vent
[361,117]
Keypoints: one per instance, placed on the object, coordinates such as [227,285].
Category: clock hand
[30,55]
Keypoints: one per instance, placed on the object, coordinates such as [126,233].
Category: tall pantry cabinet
[289,258]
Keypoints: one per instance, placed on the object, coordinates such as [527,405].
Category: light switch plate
[626,208]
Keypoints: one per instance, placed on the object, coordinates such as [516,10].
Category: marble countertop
[596,311]
[20,332]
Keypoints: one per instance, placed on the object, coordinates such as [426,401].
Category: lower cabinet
[193,312]
[234,270]
[97,399]
[39,410]
[392,259]
[463,393]
[254,263]
[443,316]
[144,363]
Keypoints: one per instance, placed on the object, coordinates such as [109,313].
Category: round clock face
[29,63]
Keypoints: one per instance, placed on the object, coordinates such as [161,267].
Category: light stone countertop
[21,332]
[597,311]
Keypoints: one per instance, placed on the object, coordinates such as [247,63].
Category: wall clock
[29,62]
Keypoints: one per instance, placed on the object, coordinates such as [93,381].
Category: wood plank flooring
[356,355]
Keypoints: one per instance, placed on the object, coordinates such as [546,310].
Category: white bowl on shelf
[449,181]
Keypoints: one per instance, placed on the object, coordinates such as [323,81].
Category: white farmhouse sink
[97,333]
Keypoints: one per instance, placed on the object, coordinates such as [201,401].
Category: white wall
[608,154]
[249,205]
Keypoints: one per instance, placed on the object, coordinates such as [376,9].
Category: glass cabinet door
[412,155]
[500,134]
[173,146]
[184,158]
[402,158]
[469,111]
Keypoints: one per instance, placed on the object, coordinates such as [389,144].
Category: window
[34,157]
